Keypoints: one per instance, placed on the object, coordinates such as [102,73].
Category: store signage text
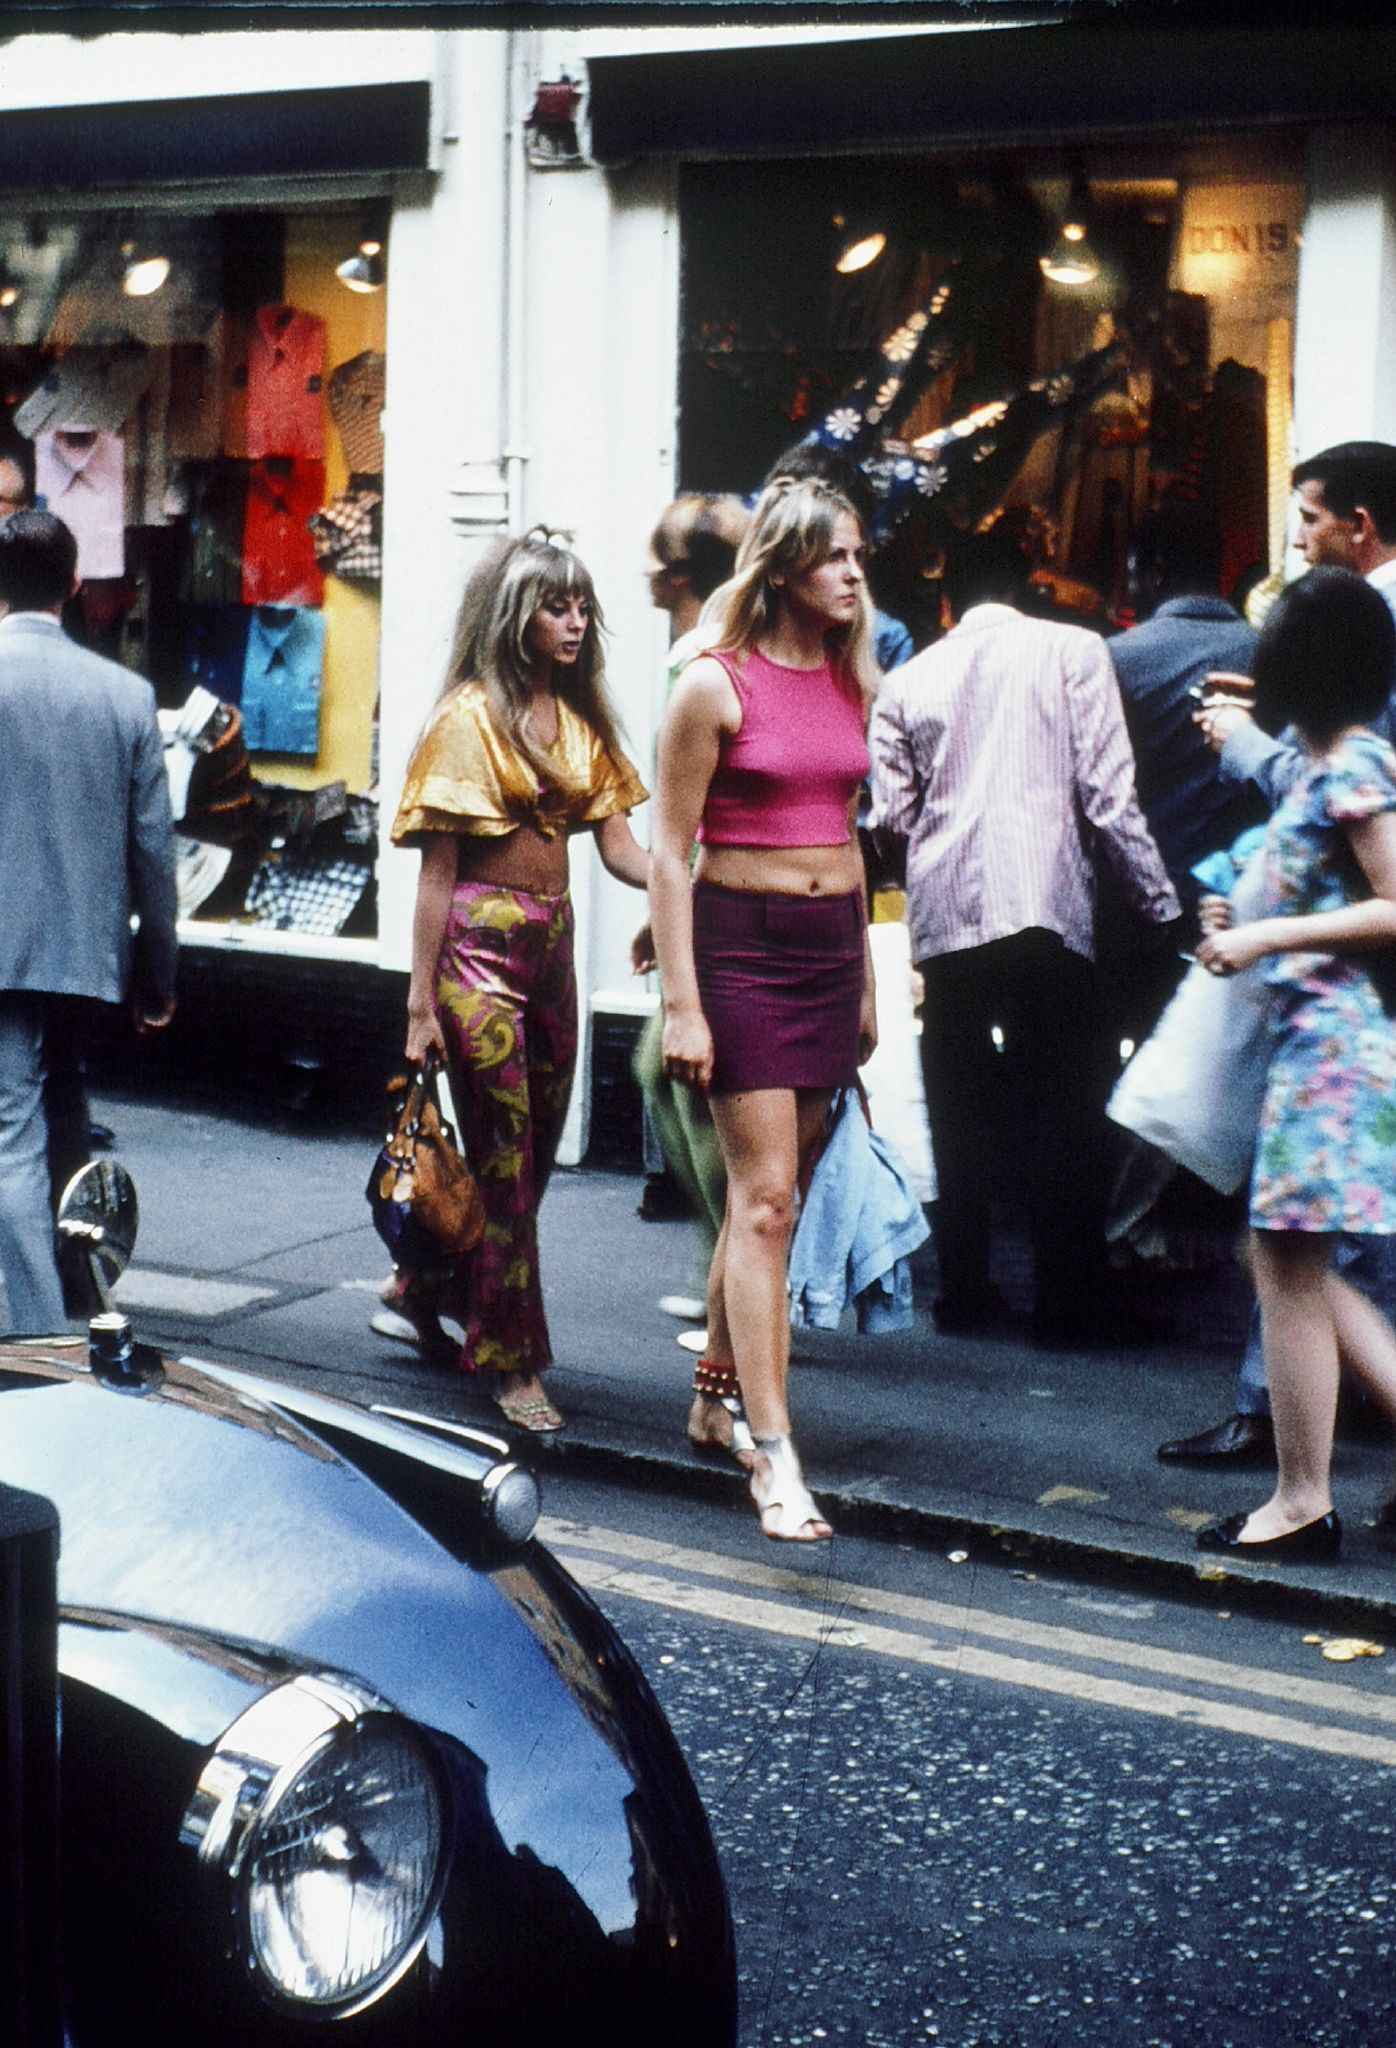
[1241,238]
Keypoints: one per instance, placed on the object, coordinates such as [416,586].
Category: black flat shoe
[1314,1543]
[1240,1440]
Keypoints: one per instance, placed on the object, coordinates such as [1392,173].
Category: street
[998,1768]
[989,1810]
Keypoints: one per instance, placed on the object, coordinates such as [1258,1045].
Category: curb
[1005,1545]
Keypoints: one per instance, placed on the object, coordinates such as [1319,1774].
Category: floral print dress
[1326,1153]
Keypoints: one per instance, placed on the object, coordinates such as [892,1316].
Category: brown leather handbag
[426,1204]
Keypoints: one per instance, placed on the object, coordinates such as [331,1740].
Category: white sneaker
[687,1307]
[694,1340]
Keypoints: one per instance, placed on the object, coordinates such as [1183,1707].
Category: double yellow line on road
[1040,1656]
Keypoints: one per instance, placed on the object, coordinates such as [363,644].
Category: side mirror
[96,1230]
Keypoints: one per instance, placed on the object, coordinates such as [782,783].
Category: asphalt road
[963,1806]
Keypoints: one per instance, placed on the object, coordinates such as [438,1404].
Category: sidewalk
[256,1246]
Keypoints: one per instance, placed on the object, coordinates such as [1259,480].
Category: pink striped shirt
[989,751]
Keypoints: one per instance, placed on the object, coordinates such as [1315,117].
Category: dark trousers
[1026,1119]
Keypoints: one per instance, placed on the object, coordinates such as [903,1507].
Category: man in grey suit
[86,841]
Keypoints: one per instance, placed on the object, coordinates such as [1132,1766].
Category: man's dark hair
[1176,551]
[826,466]
[1326,656]
[38,562]
[985,568]
[1356,473]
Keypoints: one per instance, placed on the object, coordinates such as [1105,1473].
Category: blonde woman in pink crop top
[763,953]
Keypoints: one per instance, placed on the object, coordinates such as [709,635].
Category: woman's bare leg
[1366,1341]
[1300,1330]
[759,1135]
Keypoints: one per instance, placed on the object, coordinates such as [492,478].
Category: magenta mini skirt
[781,983]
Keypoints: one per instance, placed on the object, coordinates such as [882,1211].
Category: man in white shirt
[1001,759]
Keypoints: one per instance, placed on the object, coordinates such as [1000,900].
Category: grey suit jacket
[86,837]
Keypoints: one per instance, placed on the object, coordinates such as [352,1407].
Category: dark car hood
[199,1506]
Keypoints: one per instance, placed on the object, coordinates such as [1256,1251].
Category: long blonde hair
[514,581]
[792,529]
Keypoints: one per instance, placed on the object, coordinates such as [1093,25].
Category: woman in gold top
[520,752]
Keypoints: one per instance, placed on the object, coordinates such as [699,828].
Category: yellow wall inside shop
[354,321]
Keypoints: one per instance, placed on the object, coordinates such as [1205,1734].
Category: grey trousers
[27,1263]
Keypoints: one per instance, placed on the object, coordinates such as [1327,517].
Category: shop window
[200,400]
[1091,337]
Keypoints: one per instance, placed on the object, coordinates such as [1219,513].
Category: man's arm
[1104,770]
[1250,755]
[151,865]
[896,793]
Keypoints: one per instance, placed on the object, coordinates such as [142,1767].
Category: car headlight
[321,1817]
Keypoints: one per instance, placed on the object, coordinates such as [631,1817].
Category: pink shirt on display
[81,476]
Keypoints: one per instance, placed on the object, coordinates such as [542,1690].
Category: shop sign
[1241,242]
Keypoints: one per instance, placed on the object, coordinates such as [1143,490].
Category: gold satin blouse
[467,777]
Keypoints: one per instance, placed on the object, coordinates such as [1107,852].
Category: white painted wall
[1345,335]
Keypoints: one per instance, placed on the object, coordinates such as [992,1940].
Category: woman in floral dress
[1325,1158]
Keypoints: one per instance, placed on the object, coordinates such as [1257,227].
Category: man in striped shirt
[1001,760]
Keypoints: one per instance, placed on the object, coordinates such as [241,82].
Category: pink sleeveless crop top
[788,776]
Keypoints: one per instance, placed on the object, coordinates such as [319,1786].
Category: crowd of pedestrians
[1058,808]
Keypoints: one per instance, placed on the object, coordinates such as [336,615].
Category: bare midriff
[522,859]
[782,870]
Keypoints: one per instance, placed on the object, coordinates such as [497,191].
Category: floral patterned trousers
[506,995]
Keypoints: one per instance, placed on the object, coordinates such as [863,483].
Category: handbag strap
[421,1089]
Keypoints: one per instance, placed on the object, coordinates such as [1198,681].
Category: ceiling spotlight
[365,270]
[1071,259]
[10,290]
[143,270]
[858,255]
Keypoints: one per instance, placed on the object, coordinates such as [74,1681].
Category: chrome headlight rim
[255,1765]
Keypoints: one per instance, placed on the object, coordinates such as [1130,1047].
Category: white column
[602,338]
[444,495]
[1345,338]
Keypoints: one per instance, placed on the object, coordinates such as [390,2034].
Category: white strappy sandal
[784,1504]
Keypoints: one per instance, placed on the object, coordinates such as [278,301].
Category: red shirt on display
[285,376]
[278,550]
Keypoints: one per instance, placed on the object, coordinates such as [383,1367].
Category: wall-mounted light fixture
[366,269]
[10,289]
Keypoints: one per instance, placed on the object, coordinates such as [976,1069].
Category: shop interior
[1095,332]
[200,398]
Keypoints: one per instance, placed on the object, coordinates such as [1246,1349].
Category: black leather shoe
[1314,1543]
[1241,1440]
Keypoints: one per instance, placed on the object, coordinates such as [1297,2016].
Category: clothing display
[357,392]
[95,388]
[80,473]
[217,517]
[466,777]
[281,681]
[278,553]
[348,533]
[215,649]
[1328,1125]
[300,890]
[285,377]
